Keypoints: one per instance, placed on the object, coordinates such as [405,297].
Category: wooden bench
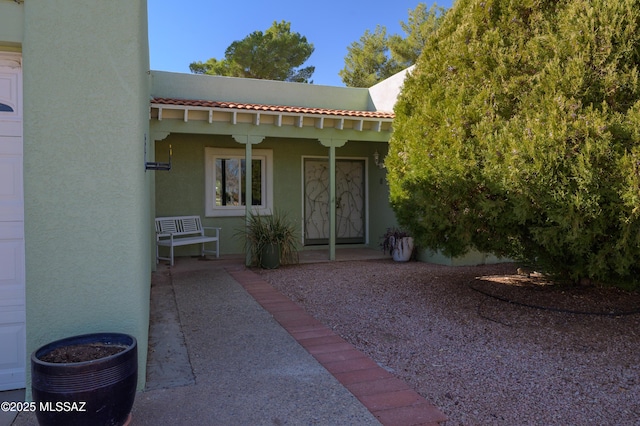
[181,231]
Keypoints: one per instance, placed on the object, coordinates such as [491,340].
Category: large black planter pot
[270,256]
[98,392]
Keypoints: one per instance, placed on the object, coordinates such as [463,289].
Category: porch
[314,255]
[313,152]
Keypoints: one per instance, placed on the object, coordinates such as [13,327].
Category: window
[5,108]
[225,182]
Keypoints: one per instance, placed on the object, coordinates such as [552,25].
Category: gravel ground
[480,359]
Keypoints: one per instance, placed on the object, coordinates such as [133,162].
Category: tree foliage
[377,56]
[422,22]
[518,133]
[274,54]
[368,60]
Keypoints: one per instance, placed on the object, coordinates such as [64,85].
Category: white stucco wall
[385,94]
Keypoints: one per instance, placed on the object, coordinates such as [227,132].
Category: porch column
[248,141]
[332,144]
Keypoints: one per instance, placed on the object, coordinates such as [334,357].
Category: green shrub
[518,133]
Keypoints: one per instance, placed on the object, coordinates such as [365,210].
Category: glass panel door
[350,201]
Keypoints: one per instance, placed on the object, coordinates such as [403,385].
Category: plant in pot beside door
[89,379]
[271,240]
[399,244]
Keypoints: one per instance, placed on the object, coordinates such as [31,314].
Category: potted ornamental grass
[271,240]
[398,243]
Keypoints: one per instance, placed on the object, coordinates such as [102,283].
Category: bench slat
[186,241]
[191,225]
[166,227]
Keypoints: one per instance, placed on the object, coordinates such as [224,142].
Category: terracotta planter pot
[96,392]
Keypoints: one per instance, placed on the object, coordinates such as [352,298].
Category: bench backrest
[178,225]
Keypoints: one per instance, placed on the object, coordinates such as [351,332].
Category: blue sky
[181,32]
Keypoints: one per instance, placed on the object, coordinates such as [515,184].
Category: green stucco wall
[382,216]
[181,191]
[190,86]
[11,25]
[87,211]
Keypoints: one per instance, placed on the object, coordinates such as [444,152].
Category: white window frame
[211,155]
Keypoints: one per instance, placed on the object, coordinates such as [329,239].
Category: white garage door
[12,269]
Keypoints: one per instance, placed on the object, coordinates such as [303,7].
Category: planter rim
[117,338]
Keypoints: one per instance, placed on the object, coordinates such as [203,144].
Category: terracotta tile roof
[272,108]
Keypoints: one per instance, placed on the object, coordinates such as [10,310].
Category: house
[81,115]
[294,134]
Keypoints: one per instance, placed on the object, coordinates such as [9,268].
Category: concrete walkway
[246,370]
[227,349]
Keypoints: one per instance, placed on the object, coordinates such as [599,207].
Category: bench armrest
[214,228]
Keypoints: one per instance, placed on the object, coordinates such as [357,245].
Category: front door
[12,257]
[350,201]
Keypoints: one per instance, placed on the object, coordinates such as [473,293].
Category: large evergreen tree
[377,56]
[275,54]
[368,61]
[518,133]
[421,23]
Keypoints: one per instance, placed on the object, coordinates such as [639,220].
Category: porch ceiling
[233,113]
